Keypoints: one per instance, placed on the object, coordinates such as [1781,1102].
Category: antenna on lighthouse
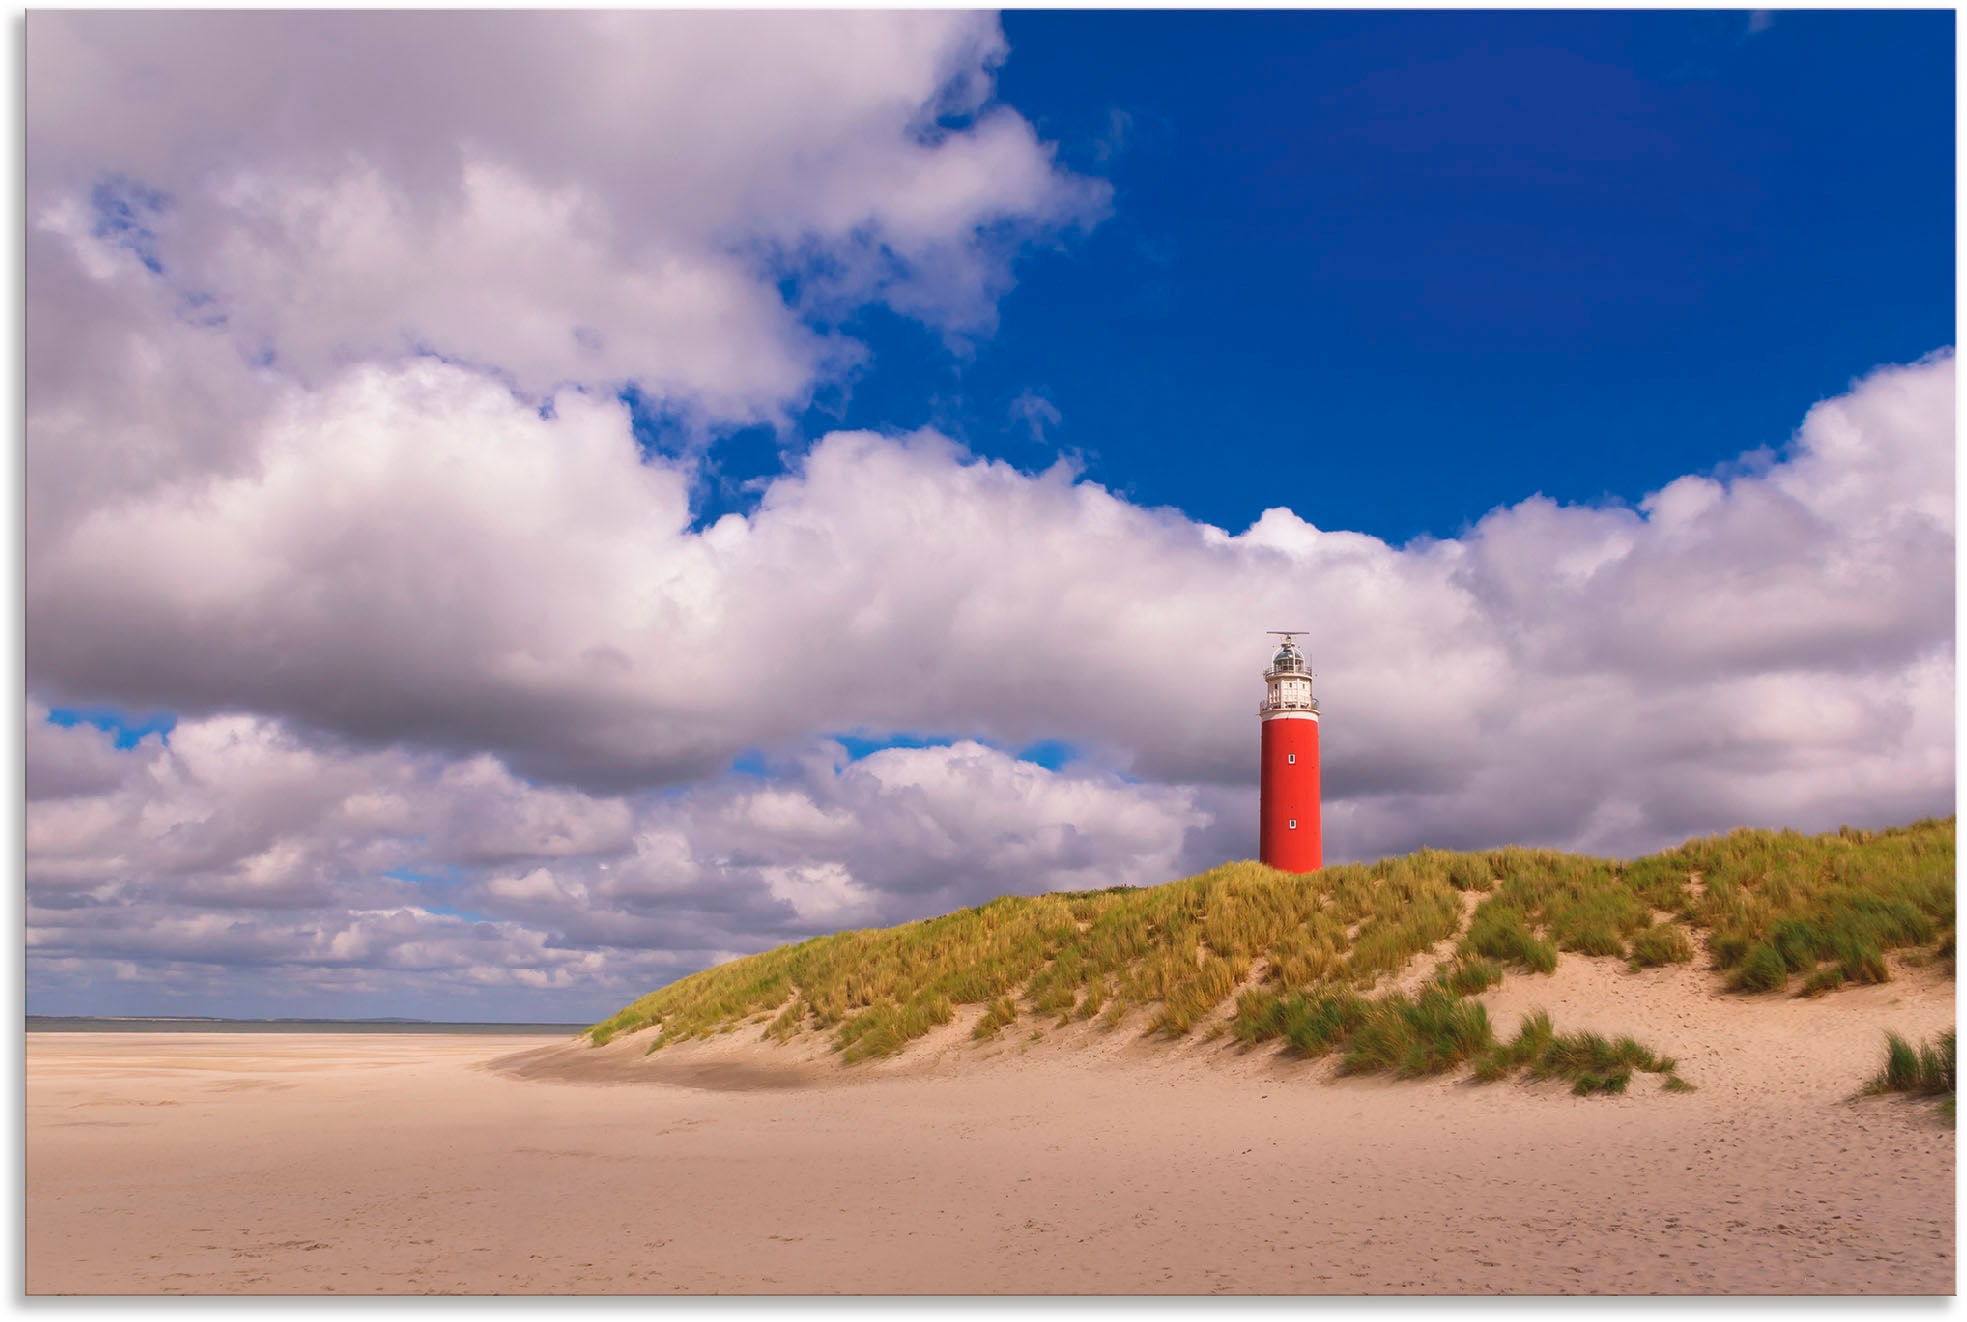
[1290,636]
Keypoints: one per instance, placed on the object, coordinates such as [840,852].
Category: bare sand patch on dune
[1078,1162]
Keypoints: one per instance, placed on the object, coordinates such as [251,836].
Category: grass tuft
[886,1026]
[1761,970]
[1002,1011]
[1309,1025]
[1468,977]
[1926,1069]
[1613,1082]
[1499,932]
[1428,1034]
[1591,1062]
[1661,945]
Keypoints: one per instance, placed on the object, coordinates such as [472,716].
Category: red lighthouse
[1289,837]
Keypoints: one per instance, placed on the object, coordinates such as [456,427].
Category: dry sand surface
[1077,1163]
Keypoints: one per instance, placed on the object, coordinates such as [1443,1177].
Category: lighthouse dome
[1288,658]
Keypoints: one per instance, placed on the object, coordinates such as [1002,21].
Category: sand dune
[1075,1163]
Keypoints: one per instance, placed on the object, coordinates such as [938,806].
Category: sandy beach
[1073,1163]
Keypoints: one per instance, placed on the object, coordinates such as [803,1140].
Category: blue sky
[1576,253]
[378,662]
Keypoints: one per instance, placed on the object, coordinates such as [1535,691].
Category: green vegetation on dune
[1299,956]
[1662,944]
[1828,907]
[1435,1031]
[1180,948]
[1590,1062]
[1926,1070]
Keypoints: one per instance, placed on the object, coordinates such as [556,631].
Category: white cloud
[417,557]
[1037,413]
[823,893]
[510,275]
[1775,647]
[593,197]
[233,850]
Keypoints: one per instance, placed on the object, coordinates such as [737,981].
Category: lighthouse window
[1294,823]
[1292,758]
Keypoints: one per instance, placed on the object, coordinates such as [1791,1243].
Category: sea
[47,1023]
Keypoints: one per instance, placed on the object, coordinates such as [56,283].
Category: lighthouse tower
[1289,837]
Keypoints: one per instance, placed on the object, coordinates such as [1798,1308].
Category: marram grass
[1924,1070]
[1299,957]
[1590,1062]
[1662,944]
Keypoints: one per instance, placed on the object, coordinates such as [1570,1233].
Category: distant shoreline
[46,1023]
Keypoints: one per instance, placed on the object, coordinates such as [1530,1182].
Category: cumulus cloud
[417,556]
[423,583]
[276,867]
[564,197]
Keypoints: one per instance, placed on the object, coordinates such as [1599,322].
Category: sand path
[401,1164]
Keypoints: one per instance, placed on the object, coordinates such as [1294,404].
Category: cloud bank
[409,629]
